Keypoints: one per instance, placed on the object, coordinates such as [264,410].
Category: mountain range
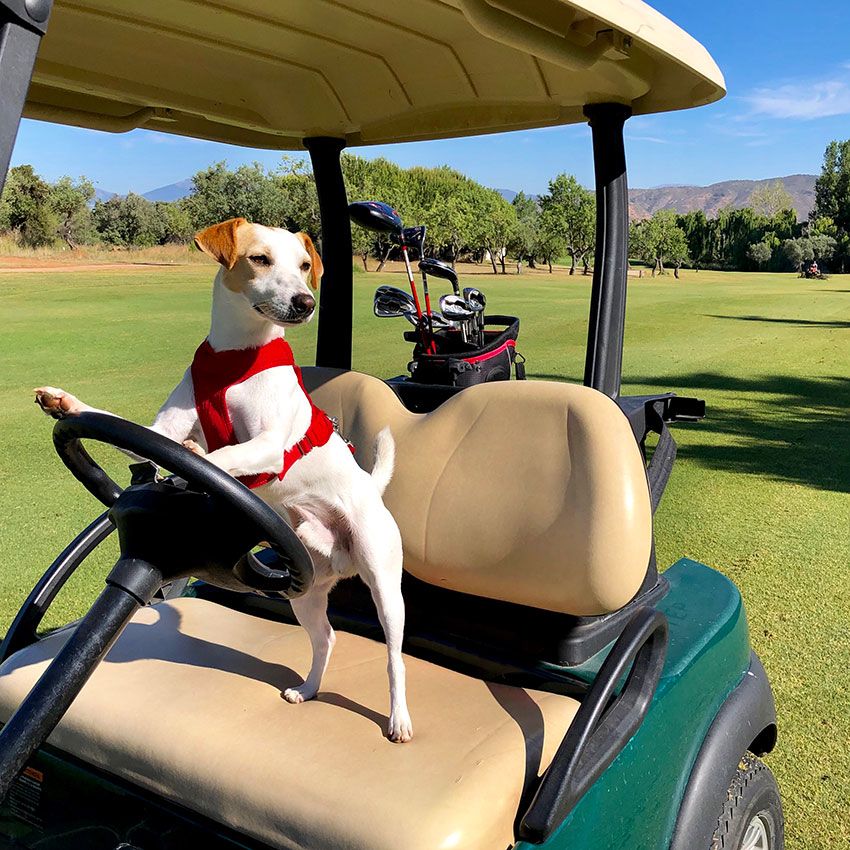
[729,193]
[642,202]
[171,192]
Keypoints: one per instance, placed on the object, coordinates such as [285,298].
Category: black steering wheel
[207,528]
[247,515]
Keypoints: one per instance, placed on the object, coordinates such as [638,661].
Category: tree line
[464,219]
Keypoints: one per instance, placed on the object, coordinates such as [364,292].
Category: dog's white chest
[269,400]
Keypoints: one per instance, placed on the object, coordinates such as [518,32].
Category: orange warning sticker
[32,773]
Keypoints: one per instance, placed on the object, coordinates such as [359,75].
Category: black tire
[753,793]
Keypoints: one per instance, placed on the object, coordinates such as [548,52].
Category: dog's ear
[219,241]
[316,267]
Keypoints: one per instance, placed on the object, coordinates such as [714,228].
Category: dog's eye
[305,266]
[260,260]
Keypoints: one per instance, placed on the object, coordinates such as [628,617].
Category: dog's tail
[382,471]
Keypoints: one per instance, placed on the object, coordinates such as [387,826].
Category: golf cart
[565,694]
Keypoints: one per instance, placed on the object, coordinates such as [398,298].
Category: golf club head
[390,302]
[443,270]
[376,215]
[441,322]
[388,311]
[455,309]
[393,292]
[413,237]
[475,298]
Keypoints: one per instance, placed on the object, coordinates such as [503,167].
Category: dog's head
[272,268]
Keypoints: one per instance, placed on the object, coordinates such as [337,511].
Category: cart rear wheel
[751,818]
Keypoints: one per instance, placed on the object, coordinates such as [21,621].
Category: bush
[39,230]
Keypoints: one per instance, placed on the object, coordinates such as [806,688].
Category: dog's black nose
[302,304]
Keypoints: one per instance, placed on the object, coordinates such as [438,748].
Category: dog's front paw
[401,728]
[57,403]
[298,695]
[194,447]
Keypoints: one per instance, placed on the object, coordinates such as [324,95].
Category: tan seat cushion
[187,704]
[532,492]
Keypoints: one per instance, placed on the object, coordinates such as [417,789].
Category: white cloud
[804,101]
[657,140]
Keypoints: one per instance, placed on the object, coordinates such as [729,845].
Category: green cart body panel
[637,799]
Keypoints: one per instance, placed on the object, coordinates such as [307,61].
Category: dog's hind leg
[311,610]
[385,585]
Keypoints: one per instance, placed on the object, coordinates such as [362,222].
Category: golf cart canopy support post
[22,24]
[604,360]
[333,343]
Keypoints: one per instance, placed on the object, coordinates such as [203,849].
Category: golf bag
[461,364]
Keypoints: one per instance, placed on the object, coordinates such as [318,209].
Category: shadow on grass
[812,323]
[780,427]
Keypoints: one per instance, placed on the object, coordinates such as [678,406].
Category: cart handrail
[602,726]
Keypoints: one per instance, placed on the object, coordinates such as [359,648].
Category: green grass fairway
[761,490]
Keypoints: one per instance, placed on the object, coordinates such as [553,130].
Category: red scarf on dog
[214,372]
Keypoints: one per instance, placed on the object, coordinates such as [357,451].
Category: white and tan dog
[262,287]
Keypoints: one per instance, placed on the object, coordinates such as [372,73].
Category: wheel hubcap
[756,837]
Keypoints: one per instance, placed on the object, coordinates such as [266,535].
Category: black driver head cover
[376,215]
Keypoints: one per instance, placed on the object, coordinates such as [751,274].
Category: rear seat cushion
[533,492]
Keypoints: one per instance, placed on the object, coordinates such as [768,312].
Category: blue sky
[787,68]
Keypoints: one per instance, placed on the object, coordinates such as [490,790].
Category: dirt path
[15,265]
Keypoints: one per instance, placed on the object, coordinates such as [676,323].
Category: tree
[128,221]
[355,174]
[823,246]
[770,199]
[759,253]
[832,195]
[449,223]
[572,209]
[696,229]
[497,224]
[528,215]
[550,242]
[798,251]
[24,207]
[677,251]
[658,238]
[71,204]
[175,222]
[219,193]
[291,200]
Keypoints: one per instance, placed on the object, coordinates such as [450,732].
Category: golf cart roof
[268,73]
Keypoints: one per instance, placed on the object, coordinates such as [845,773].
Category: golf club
[382,218]
[377,216]
[390,301]
[455,309]
[434,267]
[390,310]
[476,300]
[414,237]
[393,292]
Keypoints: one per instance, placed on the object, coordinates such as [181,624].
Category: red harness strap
[214,372]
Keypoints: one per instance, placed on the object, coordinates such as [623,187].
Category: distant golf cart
[564,693]
[812,271]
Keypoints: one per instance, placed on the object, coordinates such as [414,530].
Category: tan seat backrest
[530,492]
